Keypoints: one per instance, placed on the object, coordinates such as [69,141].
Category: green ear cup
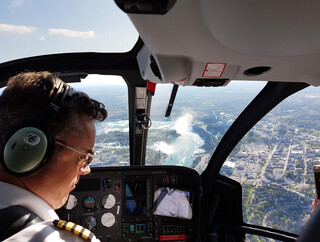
[31,146]
[25,150]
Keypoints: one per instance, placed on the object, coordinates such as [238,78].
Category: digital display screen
[136,188]
[135,193]
[172,202]
[135,207]
[138,229]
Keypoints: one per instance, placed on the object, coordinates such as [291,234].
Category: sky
[38,27]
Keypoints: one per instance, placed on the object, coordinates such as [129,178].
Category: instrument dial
[107,183]
[108,201]
[71,203]
[89,203]
[108,220]
[89,222]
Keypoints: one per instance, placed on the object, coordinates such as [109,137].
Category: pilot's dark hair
[28,93]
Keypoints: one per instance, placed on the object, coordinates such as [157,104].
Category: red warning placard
[174,237]
[214,69]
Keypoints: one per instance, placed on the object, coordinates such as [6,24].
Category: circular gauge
[89,202]
[71,203]
[89,222]
[106,183]
[108,201]
[108,219]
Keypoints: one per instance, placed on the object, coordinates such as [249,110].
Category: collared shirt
[173,203]
[14,195]
[43,231]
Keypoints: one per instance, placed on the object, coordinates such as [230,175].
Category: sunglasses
[88,157]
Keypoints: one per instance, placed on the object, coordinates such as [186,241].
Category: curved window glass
[200,117]
[274,163]
[31,28]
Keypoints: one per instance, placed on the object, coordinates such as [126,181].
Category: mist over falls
[181,149]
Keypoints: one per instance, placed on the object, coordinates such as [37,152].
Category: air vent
[210,82]
[255,71]
[145,7]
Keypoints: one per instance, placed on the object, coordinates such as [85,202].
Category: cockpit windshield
[31,28]
[188,137]
[274,164]
[200,117]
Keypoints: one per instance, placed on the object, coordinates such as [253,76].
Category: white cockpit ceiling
[283,35]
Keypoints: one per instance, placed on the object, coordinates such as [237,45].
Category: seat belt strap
[14,219]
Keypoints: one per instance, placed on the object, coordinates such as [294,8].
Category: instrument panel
[137,203]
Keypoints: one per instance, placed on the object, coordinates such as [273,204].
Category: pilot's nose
[85,170]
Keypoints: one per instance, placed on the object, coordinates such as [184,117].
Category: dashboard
[137,203]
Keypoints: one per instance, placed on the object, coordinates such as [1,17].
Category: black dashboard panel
[137,203]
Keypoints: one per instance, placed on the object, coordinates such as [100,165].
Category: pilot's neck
[8,178]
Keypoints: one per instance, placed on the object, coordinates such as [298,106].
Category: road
[287,158]
[261,175]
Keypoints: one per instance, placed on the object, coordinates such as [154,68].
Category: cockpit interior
[213,128]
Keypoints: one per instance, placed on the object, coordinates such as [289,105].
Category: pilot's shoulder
[48,232]
[74,228]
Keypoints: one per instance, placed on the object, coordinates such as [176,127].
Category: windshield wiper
[172,98]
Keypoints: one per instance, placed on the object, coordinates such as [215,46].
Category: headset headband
[60,92]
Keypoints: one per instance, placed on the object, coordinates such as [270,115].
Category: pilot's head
[47,135]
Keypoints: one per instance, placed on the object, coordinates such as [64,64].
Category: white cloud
[18,29]
[72,33]
[42,38]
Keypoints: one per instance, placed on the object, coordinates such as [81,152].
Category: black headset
[29,147]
